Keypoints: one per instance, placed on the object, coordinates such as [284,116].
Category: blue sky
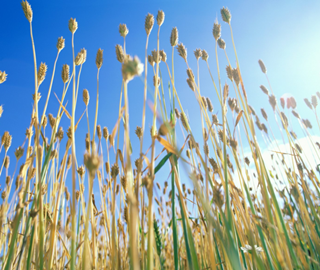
[284,34]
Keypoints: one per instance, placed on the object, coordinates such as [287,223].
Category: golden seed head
[44,121]
[225,92]
[148,24]
[273,102]
[123,181]
[99,58]
[284,120]
[6,162]
[308,103]
[156,56]
[19,152]
[190,74]
[73,25]
[163,130]
[204,55]
[3,76]
[221,43]
[52,120]
[174,37]
[38,96]
[198,53]
[60,134]
[234,144]
[107,165]
[184,121]
[85,96]
[79,58]
[163,56]
[92,162]
[99,132]
[77,195]
[235,76]
[295,114]
[114,171]
[119,53]
[215,119]
[264,114]
[206,149]
[154,81]
[262,66]
[6,140]
[210,106]
[131,68]
[105,133]
[191,84]
[177,113]
[160,17]
[65,73]
[232,103]
[229,72]
[204,101]
[150,60]
[126,214]
[60,43]
[42,73]
[1,110]
[264,90]
[216,31]
[226,15]
[7,180]
[123,30]
[4,195]
[182,51]
[27,10]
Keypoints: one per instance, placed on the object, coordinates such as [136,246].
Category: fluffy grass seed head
[156,56]
[314,101]
[221,43]
[60,44]
[138,132]
[92,162]
[73,25]
[198,53]
[3,76]
[204,55]
[99,58]
[262,66]
[182,51]
[42,73]
[163,56]
[264,90]
[119,53]
[235,76]
[114,171]
[216,31]
[65,73]
[148,24]
[184,120]
[174,37]
[308,103]
[6,140]
[131,68]
[160,17]
[210,106]
[1,110]
[85,96]
[27,10]
[226,15]
[105,133]
[191,84]
[123,30]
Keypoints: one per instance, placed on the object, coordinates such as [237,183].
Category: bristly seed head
[73,25]
[156,56]
[42,73]
[174,37]
[163,56]
[105,133]
[264,90]
[198,53]
[65,73]
[3,76]
[210,107]
[148,24]
[182,51]
[114,171]
[262,66]
[85,96]
[119,53]
[235,76]
[221,43]
[216,31]
[204,55]
[60,44]
[191,84]
[160,17]
[139,132]
[99,58]
[226,15]
[27,10]
[123,30]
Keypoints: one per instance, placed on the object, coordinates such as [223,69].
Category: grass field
[48,219]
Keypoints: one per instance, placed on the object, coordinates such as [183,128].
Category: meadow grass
[44,226]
